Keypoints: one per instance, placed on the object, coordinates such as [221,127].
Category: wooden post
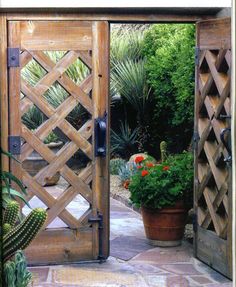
[233,137]
[4,91]
[101,105]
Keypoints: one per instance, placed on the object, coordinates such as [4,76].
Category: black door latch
[100,126]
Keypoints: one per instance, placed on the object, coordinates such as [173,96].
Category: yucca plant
[124,142]
[129,80]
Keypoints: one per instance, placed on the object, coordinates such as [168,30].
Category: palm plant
[125,142]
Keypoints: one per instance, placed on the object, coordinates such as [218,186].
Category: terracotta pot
[34,163]
[165,227]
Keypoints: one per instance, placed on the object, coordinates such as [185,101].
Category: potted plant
[164,191]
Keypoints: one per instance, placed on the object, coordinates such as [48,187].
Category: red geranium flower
[149,164]
[139,166]
[144,172]
[139,159]
[166,167]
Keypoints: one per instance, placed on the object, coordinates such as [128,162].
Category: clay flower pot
[34,163]
[165,227]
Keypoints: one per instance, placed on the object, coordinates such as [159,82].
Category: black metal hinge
[196,139]
[197,55]
[99,220]
[14,145]
[195,223]
[13,57]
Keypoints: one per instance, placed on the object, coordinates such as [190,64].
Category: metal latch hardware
[13,57]
[100,127]
[99,220]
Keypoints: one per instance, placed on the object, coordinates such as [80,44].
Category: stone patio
[133,262]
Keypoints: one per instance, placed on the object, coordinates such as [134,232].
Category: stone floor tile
[165,255]
[90,277]
[201,279]
[180,269]
[177,281]
[40,274]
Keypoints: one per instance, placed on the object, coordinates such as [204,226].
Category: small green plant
[115,165]
[15,271]
[159,185]
[7,178]
[127,171]
[52,137]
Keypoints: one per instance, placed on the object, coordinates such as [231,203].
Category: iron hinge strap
[195,222]
[197,55]
[13,57]
[196,139]
[99,220]
[14,145]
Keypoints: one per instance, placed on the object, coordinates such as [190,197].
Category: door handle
[100,126]
[226,145]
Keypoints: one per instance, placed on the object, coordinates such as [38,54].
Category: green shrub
[169,52]
[115,165]
[161,185]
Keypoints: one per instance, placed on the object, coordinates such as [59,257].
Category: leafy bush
[115,165]
[169,52]
[161,185]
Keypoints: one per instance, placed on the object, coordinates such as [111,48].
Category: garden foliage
[169,53]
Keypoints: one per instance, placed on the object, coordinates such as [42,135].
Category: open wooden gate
[213,236]
[66,237]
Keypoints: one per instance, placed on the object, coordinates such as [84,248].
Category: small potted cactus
[163,191]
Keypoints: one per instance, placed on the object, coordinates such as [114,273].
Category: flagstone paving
[133,262]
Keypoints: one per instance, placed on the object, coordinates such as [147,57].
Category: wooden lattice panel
[214,105]
[83,42]
[56,118]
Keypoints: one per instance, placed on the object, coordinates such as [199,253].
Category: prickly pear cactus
[16,273]
[21,235]
[11,213]
[163,149]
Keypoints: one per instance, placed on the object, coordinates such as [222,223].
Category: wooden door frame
[151,15]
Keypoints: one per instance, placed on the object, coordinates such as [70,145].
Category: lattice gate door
[57,90]
[212,156]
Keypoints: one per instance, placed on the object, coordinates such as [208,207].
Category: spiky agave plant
[56,94]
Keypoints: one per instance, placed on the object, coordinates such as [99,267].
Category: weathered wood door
[213,236]
[67,107]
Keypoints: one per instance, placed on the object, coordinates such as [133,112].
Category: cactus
[11,213]
[163,149]
[21,235]
[16,273]
[6,228]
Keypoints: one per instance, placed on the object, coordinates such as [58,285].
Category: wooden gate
[213,236]
[77,227]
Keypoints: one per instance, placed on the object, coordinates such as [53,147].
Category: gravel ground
[122,194]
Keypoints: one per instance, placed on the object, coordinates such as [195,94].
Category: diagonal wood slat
[212,171]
